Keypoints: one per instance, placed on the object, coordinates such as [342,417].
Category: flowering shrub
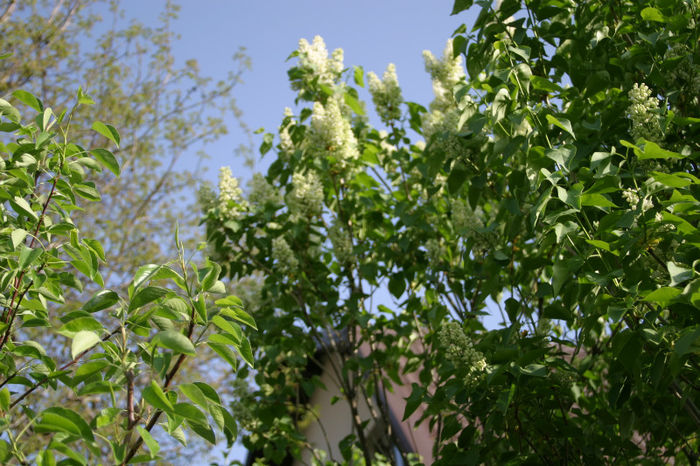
[542,189]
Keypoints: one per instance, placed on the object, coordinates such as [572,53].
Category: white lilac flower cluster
[460,351]
[435,249]
[283,255]
[341,242]
[444,114]
[231,203]
[314,56]
[632,199]
[286,143]
[643,111]
[446,74]
[262,192]
[386,94]
[306,196]
[331,134]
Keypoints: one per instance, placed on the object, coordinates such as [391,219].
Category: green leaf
[268,140]
[87,192]
[9,111]
[27,256]
[358,76]
[156,398]
[652,14]
[87,369]
[83,340]
[29,99]
[354,104]
[229,301]
[147,295]
[564,156]
[692,291]
[688,342]
[226,353]
[663,296]
[240,315]
[83,98]
[18,236]
[4,399]
[193,392]
[107,131]
[246,351]
[601,245]
[175,341]
[206,432]
[21,206]
[396,285]
[562,123]
[46,124]
[148,439]
[191,413]
[149,272]
[212,275]
[534,370]
[71,328]
[414,400]
[651,150]
[107,159]
[596,200]
[571,197]
[678,273]
[58,419]
[459,6]
[456,178]
[228,327]
[101,300]
[675,180]
[541,84]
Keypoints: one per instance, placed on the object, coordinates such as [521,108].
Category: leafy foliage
[166,112]
[558,183]
[121,344]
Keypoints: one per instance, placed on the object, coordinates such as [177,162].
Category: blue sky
[372,33]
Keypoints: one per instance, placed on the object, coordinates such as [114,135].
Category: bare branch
[9,9]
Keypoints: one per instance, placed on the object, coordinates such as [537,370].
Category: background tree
[557,183]
[164,111]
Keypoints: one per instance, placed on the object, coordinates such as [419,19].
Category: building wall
[333,422]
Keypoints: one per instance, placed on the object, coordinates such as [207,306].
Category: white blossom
[435,250]
[386,94]
[341,242]
[286,143]
[643,112]
[306,196]
[231,203]
[331,134]
[445,73]
[262,192]
[283,255]
[460,351]
[443,125]
[314,56]
[632,199]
